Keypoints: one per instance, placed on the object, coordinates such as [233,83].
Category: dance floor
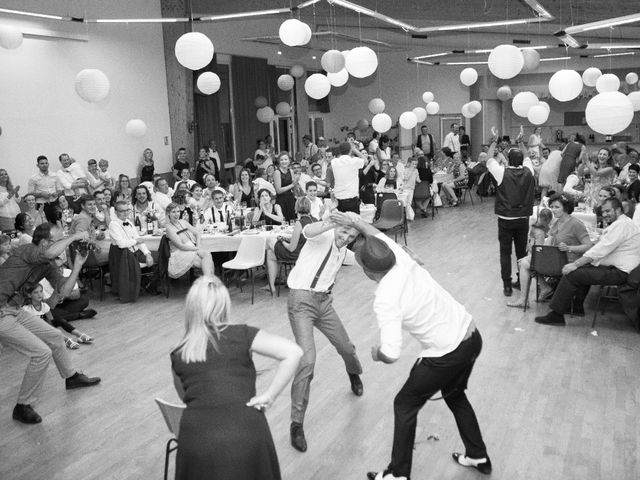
[552,402]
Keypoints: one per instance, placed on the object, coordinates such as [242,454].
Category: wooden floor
[553,403]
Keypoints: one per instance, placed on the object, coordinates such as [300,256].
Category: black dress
[282,253]
[287,200]
[220,437]
[146,174]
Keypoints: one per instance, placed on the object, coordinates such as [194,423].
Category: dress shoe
[87,313]
[507,290]
[382,476]
[578,311]
[80,380]
[483,465]
[25,414]
[551,318]
[297,437]
[356,384]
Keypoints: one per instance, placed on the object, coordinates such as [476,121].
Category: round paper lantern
[296,71]
[433,108]
[285,82]
[565,85]
[208,83]
[381,122]
[474,107]
[283,109]
[506,61]
[338,79]
[420,113]
[317,86]
[504,93]
[408,120]
[307,34]
[522,102]
[635,100]
[292,32]
[92,85]
[332,61]
[361,62]
[194,50]
[465,111]
[136,128]
[590,76]
[631,78]
[376,105]
[265,114]
[468,76]
[260,102]
[531,59]
[10,37]
[363,124]
[545,105]
[427,97]
[609,113]
[538,114]
[608,83]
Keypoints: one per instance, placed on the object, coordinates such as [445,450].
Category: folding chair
[607,292]
[380,198]
[546,261]
[172,414]
[251,254]
[392,217]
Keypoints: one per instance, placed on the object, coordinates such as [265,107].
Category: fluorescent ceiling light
[610,22]
[464,63]
[466,26]
[307,3]
[421,62]
[433,55]
[539,9]
[32,14]
[614,54]
[554,59]
[612,46]
[137,20]
[371,13]
[567,39]
[255,13]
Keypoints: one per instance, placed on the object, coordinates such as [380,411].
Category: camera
[83,247]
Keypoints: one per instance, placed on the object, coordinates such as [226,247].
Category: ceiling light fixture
[554,59]
[612,46]
[610,22]
[465,63]
[614,54]
[136,20]
[255,13]
[567,39]
[433,55]
[371,13]
[40,15]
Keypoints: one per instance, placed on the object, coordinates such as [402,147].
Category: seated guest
[411,177]
[24,228]
[389,181]
[633,188]
[9,207]
[604,194]
[243,189]
[64,213]
[5,247]
[28,334]
[37,217]
[185,179]
[574,185]
[317,207]
[145,209]
[316,177]
[197,201]
[460,179]
[204,166]
[181,199]
[303,178]
[102,214]
[219,211]
[608,262]
[267,210]
[162,194]
[86,221]
[211,183]
[123,189]
[184,243]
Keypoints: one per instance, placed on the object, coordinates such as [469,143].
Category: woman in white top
[383,153]
[9,208]
[535,141]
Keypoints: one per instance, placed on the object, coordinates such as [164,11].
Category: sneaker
[483,465]
[80,380]
[26,414]
[70,344]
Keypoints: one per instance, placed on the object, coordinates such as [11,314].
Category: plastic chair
[546,261]
[607,292]
[380,198]
[284,267]
[251,254]
[172,414]
[423,192]
[392,217]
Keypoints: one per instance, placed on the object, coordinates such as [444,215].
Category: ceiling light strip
[539,9]
[554,59]
[612,46]
[373,14]
[610,22]
[614,54]
[32,14]
[255,13]
[137,20]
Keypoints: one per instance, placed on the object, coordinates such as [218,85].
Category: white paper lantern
[522,102]
[260,102]
[428,97]
[283,109]
[420,113]
[465,111]
[545,105]
[332,61]
[538,114]
[381,122]
[265,114]
[285,82]
[635,100]
[468,76]
[504,93]
[317,86]
[531,59]
[194,50]
[506,61]
[475,107]
[376,105]
[408,120]
[338,79]
[609,113]
[92,85]
[307,34]
[292,32]
[361,62]
[607,83]
[136,128]
[631,78]
[10,37]
[362,124]
[433,108]
[565,85]
[590,76]
[296,71]
[208,83]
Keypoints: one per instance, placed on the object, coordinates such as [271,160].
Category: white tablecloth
[218,242]
[588,218]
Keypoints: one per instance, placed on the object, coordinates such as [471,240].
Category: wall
[40,112]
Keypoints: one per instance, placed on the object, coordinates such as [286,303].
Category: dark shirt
[633,190]
[179,166]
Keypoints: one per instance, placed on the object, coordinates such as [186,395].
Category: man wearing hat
[408,298]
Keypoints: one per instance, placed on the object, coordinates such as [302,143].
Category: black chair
[284,267]
[546,261]
[164,253]
[380,198]
[392,218]
[423,192]
[607,292]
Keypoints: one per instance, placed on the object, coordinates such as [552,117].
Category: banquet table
[588,218]
[442,177]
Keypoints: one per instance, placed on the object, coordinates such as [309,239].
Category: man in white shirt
[373,144]
[408,298]
[215,158]
[302,179]
[608,262]
[72,177]
[310,148]
[317,178]
[46,188]
[310,305]
[452,140]
[124,234]
[345,170]
[219,211]
[162,194]
[317,205]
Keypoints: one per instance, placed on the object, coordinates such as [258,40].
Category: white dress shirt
[162,200]
[68,175]
[345,173]
[215,215]
[126,236]
[452,140]
[619,246]
[216,158]
[316,206]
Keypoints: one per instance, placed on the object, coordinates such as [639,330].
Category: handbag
[547,260]
[437,201]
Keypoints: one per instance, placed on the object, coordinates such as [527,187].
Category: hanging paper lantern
[635,100]
[376,105]
[608,83]
[475,107]
[538,114]
[307,34]
[285,82]
[136,128]
[427,97]
[194,50]
[565,85]
[522,102]
[265,114]
[531,59]
[631,78]
[590,76]
[420,113]
[381,122]
[92,85]
[545,105]
[317,86]
[433,108]
[408,120]
[465,111]
[506,61]
[361,62]
[468,76]
[338,79]
[292,32]
[296,71]
[208,83]
[260,102]
[283,109]
[10,37]
[362,124]
[332,61]
[609,113]
[504,93]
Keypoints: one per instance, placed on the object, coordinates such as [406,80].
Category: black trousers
[511,231]
[349,205]
[67,311]
[577,283]
[449,374]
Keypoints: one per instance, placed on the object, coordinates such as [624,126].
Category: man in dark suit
[425,142]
